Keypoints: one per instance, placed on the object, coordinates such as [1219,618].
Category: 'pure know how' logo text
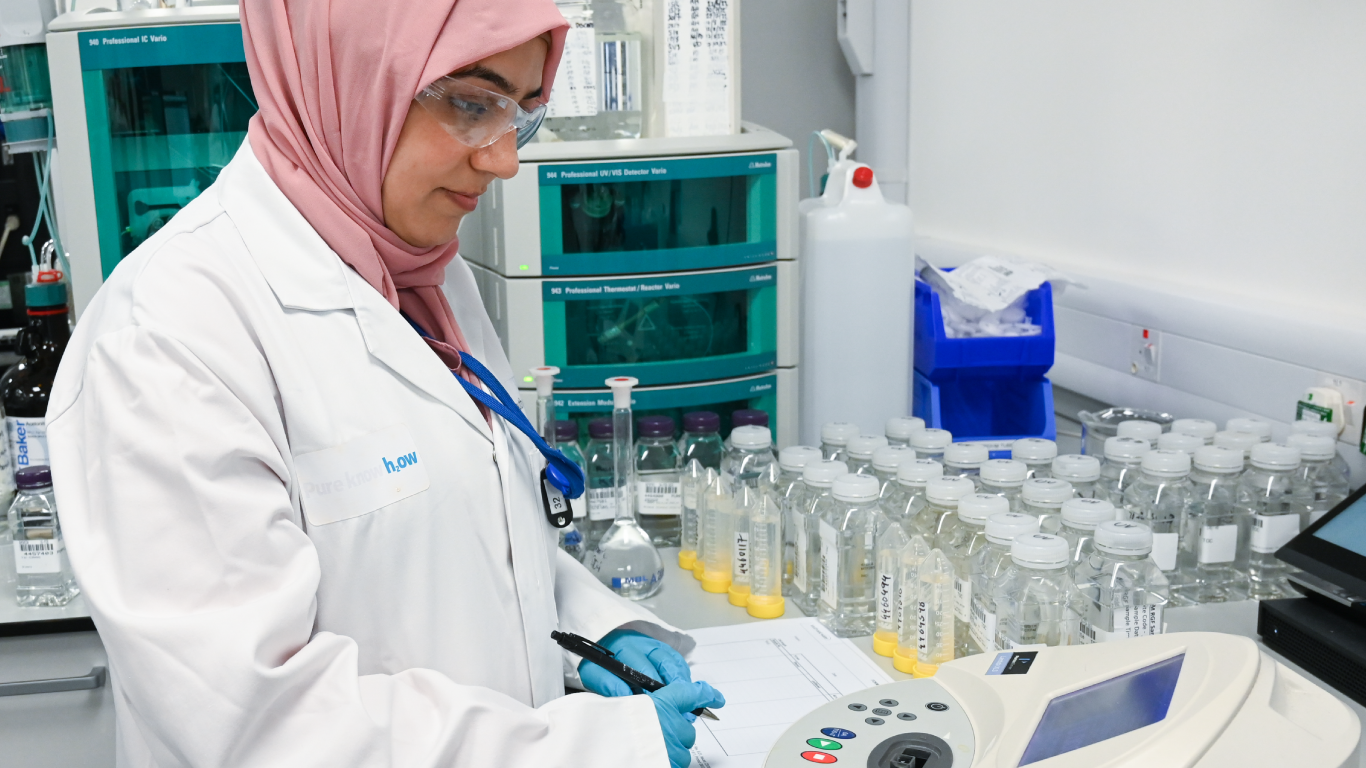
[400,464]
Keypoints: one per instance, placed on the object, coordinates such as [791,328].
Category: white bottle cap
[1218,459]
[1040,551]
[887,458]
[1314,447]
[1179,441]
[1320,428]
[919,471]
[1275,457]
[1087,513]
[1238,441]
[621,391]
[862,446]
[1033,449]
[1124,537]
[1126,448]
[545,379]
[965,455]
[1167,463]
[977,507]
[1201,428]
[822,474]
[751,437]
[1003,528]
[856,488]
[1046,491]
[794,457]
[1258,427]
[1140,429]
[1004,471]
[838,432]
[1076,468]
[931,439]
[948,490]
[902,428]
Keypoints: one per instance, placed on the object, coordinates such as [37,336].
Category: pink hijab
[334,79]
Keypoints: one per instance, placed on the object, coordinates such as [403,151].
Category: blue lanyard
[560,471]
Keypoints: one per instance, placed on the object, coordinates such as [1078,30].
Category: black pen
[591,651]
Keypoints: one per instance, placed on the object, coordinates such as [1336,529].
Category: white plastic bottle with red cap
[858,271]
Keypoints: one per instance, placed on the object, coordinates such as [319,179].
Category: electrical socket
[1353,398]
[1145,354]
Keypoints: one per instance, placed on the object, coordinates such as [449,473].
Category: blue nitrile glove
[642,653]
[674,704]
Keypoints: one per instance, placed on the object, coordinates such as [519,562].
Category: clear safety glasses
[477,117]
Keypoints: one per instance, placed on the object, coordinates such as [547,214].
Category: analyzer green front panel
[723,398]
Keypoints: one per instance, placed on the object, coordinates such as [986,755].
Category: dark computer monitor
[1334,548]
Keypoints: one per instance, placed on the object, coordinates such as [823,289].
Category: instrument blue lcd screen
[1104,710]
[1347,529]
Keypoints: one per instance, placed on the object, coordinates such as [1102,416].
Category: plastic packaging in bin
[940,358]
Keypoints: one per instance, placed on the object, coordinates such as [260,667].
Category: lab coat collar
[306,274]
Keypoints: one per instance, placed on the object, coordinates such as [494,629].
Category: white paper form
[771,673]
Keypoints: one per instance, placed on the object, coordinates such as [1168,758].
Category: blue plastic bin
[975,409]
[1022,358]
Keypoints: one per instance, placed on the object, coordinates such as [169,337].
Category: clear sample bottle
[692,485]
[1215,540]
[749,456]
[962,538]
[965,460]
[1037,453]
[1252,426]
[907,653]
[717,509]
[789,492]
[601,494]
[835,436]
[1323,429]
[1201,428]
[1083,472]
[43,575]
[625,559]
[1123,592]
[848,570]
[1139,429]
[891,540]
[988,568]
[903,500]
[1079,520]
[1004,478]
[817,479]
[572,538]
[658,497]
[900,429]
[1036,599]
[859,452]
[25,387]
[1179,441]
[1043,498]
[1279,506]
[930,443]
[765,553]
[1238,441]
[941,502]
[1160,498]
[887,460]
[1123,455]
[701,440]
[1327,485]
[935,615]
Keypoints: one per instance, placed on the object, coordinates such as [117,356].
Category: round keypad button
[935,706]
[874,720]
[888,702]
[905,716]
[858,707]
[882,711]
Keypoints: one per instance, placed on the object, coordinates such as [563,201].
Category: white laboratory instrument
[1193,699]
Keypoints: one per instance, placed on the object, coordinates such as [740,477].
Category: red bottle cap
[863,177]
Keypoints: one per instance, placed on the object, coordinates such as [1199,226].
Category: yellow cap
[687,558]
[697,569]
[766,606]
[715,582]
[739,594]
[904,660]
[925,670]
[884,643]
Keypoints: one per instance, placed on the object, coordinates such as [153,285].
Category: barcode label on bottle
[741,554]
[602,503]
[886,599]
[983,627]
[38,556]
[1218,543]
[962,600]
[830,565]
[800,579]
[1271,532]
[1164,550]
[659,499]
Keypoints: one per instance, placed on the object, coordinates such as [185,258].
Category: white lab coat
[243,630]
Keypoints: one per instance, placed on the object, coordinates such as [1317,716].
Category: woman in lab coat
[272,584]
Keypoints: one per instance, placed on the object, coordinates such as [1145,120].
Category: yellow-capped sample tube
[718,535]
[935,614]
[765,557]
[907,604]
[890,542]
[692,484]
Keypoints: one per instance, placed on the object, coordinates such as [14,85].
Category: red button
[819,757]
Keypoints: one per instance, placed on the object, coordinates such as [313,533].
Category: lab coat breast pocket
[360,476]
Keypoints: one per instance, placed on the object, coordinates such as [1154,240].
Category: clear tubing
[766,559]
[935,614]
[908,578]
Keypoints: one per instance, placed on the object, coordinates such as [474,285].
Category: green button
[824,744]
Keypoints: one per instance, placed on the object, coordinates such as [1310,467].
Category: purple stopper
[749,417]
[600,429]
[656,426]
[701,422]
[31,478]
[566,431]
